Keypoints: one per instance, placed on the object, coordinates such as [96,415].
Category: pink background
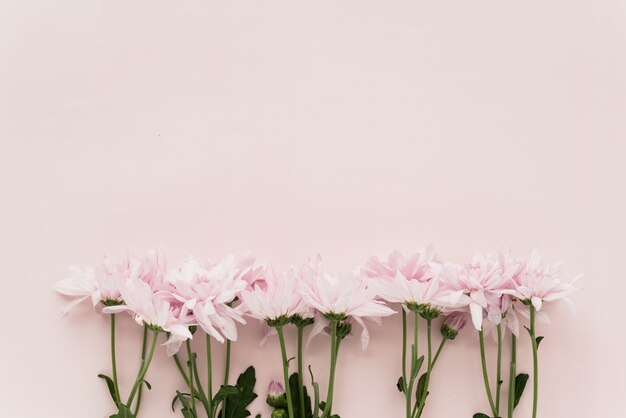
[288,128]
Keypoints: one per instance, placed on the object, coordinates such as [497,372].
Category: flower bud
[279,413]
[276,397]
[453,324]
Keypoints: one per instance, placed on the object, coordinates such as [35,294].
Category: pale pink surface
[290,128]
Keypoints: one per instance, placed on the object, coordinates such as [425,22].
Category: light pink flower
[420,266]
[478,284]
[207,293]
[407,280]
[104,284]
[537,283]
[343,296]
[154,309]
[274,297]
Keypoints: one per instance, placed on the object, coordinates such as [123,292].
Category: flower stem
[114,361]
[499,369]
[183,374]
[404,382]
[209,366]
[283,350]
[143,369]
[422,400]
[333,367]
[300,371]
[409,391]
[443,342]
[143,357]
[485,373]
[192,362]
[226,373]
[535,360]
[512,375]
[227,368]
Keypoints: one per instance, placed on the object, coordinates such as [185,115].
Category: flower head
[338,298]
[537,283]
[154,309]
[103,284]
[478,285]
[274,299]
[207,292]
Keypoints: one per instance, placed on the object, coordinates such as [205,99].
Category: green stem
[143,369]
[192,363]
[180,369]
[422,400]
[535,360]
[226,373]
[114,361]
[333,367]
[209,366]
[183,374]
[143,357]
[410,411]
[499,370]
[283,350]
[512,376]
[300,371]
[404,382]
[485,373]
[443,342]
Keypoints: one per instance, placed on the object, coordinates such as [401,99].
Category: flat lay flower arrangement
[499,295]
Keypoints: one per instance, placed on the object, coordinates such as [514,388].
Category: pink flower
[409,280]
[103,285]
[207,293]
[479,284]
[274,298]
[536,283]
[420,266]
[154,309]
[343,297]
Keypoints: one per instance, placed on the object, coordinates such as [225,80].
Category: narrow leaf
[110,385]
[520,385]
[400,384]
[538,339]
[480,415]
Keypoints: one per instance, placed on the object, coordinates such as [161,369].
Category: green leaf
[226,391]
[237,403]
[480,415]
[180,397]
[123,412]
[295,397]
[188,413]
[538,339]
[417,365]
[110,385]
[400,384]
[520,384]
[421,387]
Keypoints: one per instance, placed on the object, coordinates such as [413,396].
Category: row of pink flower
[217,296]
